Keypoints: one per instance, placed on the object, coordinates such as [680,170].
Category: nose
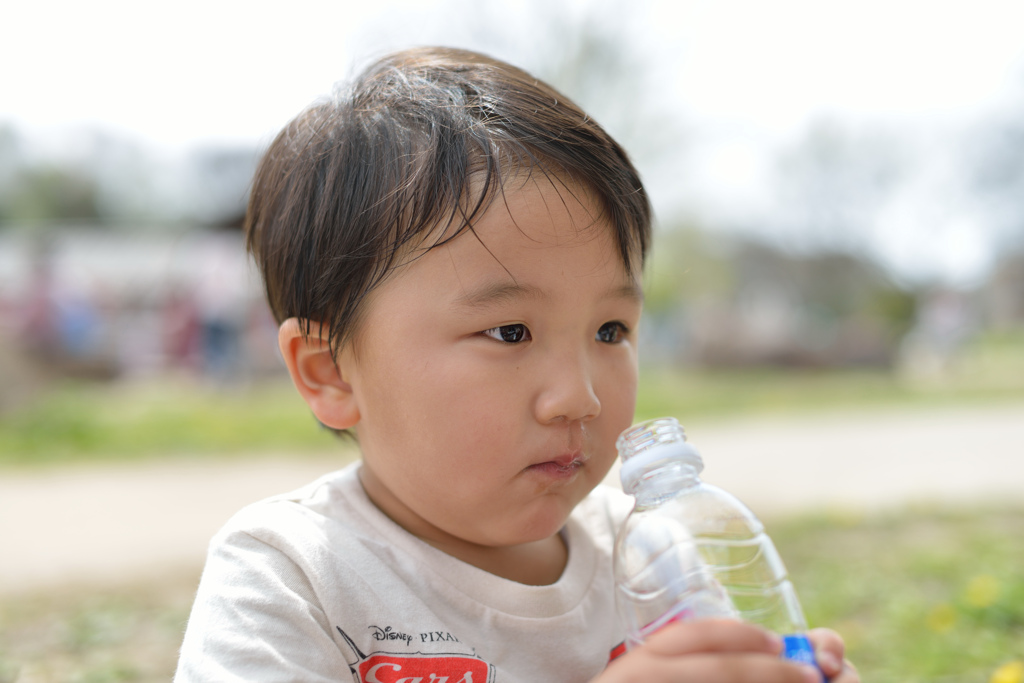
[567,392]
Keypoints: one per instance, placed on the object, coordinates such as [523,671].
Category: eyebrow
[500,292]
[632,291]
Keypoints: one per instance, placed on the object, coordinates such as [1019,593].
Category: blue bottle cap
[799,649]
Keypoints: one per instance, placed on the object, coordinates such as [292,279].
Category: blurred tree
[44,193]
[731,300]
[219,183]
[593,53]
[832,185]
[830,287]
[686,265]
[10,153]
[1004,292]
[996,168]
[111,180]
[128,177]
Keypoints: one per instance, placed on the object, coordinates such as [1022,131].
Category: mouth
[562,467]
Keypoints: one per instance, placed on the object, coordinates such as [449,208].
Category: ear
[316,375]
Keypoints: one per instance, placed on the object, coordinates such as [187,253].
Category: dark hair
[354,179]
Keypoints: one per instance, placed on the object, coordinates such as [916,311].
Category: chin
[548,522]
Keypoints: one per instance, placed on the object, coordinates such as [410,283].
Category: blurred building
[112,303]
[744,303]
[1004,293]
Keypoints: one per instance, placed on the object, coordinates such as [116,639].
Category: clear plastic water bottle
[689,550]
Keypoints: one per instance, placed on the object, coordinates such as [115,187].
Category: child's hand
[829,652]
[718,651]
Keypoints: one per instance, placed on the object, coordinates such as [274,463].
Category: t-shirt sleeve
[257,618]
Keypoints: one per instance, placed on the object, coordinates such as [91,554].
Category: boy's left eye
[610,333]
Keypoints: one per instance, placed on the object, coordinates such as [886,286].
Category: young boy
[453,251]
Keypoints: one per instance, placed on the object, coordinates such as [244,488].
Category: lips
[563,466]
[569,460]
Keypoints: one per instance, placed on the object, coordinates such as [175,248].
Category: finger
[742,668]
[829,650]
[712,635]
[848,674]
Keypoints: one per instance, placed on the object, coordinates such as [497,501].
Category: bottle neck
[657,461]
[663,483]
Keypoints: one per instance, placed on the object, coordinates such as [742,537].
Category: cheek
[618,402]
[619,387]
[462,408]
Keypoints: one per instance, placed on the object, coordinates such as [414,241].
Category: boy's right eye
[510,334]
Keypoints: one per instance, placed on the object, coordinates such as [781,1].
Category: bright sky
[746,71]
[780,61]
[200,70]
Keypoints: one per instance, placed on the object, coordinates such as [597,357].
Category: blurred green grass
[162,417]
[113,635]
[76,422]
[919,595]
[990,369]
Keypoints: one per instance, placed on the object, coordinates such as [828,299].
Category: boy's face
[492,375]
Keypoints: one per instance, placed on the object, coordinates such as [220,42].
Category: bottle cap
[655,456]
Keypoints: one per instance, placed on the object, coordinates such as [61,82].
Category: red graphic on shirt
[388,667]
[418,668]
[617,652]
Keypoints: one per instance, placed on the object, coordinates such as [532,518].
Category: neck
[539,563]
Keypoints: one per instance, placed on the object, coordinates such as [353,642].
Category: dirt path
[109,523]
[868,460]
[102,524]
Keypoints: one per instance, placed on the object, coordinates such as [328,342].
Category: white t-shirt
[320,585]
